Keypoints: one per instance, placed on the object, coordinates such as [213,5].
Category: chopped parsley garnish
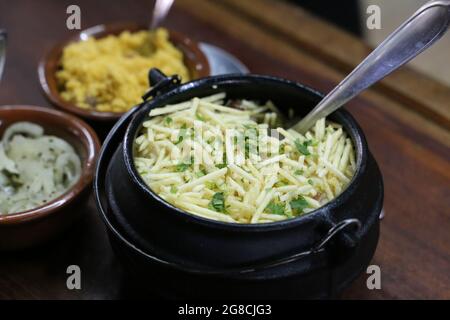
[298,205]
[275,208]
[173,189]
[247,149]
[182,167]
[182,134]
[168,120]
[299,172]
[221,165]
[201,173]
[218,202]
[180,139]
[303,147]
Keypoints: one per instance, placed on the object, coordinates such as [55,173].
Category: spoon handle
[415,35]
[2,50]
[160,11]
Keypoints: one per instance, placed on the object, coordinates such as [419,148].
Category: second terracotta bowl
[35,226]
[194,59]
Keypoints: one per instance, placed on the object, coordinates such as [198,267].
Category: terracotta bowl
[33,227]
[194,59]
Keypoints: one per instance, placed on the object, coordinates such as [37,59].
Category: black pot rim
[355,131]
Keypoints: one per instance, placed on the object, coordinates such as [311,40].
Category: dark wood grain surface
[411,145]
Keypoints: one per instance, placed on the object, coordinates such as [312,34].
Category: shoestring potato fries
[245,174]
[110,74]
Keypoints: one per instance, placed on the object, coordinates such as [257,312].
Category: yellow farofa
[111,74]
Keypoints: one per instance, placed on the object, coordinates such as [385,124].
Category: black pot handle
[340,242]
[160,83]
[334,233]
[336,230]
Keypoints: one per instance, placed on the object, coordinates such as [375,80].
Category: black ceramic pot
[179,254]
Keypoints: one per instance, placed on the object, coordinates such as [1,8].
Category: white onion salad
[34,168]
[219,160]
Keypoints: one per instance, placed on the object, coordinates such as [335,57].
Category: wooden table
[406,119]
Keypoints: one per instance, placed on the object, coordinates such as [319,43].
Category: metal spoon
[160,11]
[415,35]
[2,50]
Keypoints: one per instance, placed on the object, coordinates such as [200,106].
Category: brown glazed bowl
[194,59]
[33,227]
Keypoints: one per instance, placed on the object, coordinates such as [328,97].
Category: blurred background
[351,15]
